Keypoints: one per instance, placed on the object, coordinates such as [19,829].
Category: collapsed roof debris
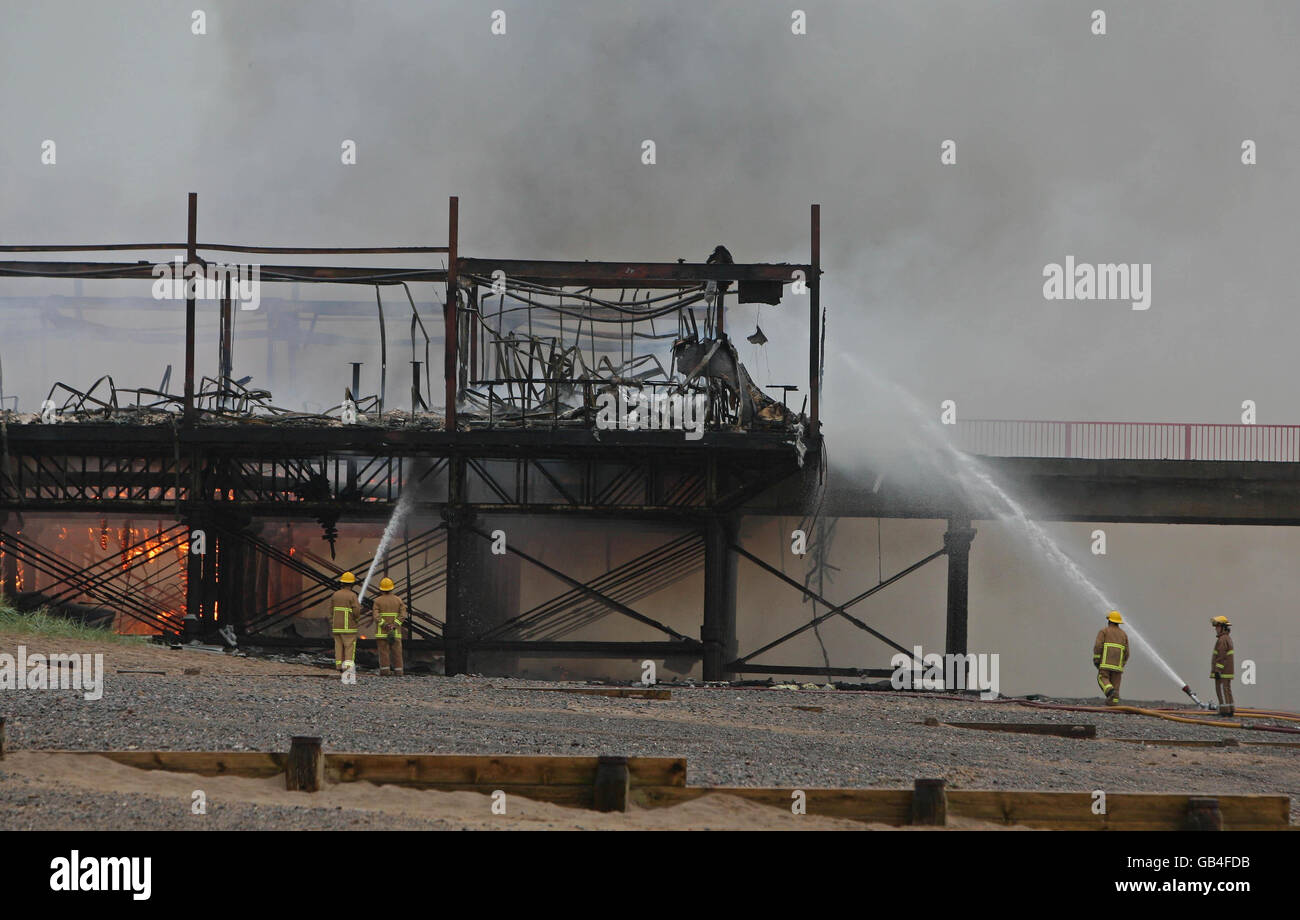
[527,344]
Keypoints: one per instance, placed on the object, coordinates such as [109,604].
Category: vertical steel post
[956,542]
[8,564]
[814,321]
[473,335]
[449,314]
[191,257]
[225,347]
[455,631]
[193,580]
[718,631]
[722,314]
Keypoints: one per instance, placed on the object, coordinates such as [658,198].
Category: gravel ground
[742,736]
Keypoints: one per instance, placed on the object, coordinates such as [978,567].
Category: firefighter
[345,613]
[1109,655]
[1221,664]
[389,611]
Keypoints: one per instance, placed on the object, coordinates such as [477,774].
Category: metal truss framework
[222,475]
[360,473]
[224,479]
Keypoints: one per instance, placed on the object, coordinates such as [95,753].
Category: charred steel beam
[567,649]
[687,648]
[814,320]
[189,313]
[629,274]
[840,609]
[586,589]
[637,574]
[449,312]
[228,247]
[331,274]
[718,630]
[957,543]
[740,667]
[267,437]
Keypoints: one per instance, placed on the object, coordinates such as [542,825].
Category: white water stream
[404,504]
[976,479]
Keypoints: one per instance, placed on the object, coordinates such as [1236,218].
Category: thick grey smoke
[1123,147]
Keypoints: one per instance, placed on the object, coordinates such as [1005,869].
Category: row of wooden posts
[613,783]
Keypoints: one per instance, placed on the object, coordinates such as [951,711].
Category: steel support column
[191,256]
[956,542]
[456,631]
[814,324]
[9,566]
[194,580]
[718,631]
[449,313]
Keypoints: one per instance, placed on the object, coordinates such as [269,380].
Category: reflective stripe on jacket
[389,611]
[1110,651]
[344,611]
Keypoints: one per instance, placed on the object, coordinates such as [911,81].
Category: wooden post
[930,802]
[612,784]
[305,770]
[1203,814]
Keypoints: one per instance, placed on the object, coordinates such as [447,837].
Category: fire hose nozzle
[1195,699]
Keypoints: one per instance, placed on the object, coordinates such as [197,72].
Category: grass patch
[41,622]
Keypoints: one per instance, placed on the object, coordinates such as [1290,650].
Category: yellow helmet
[1115,617]
[385,584]
[1220,621]
[348,578]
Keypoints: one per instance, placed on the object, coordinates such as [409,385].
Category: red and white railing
[1128,440]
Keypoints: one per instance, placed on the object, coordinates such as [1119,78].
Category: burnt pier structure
[566,394]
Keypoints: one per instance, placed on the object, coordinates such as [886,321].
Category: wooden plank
[1047,810]
[1124,810]
[204,763]
[431,770]
[634,693]
[1063,729]
[505,769]
[657,782]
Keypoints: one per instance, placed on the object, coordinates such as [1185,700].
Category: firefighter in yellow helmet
[1221,664]
[345,614]
[389,612]
[1109,655]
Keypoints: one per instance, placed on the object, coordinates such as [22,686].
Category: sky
[1122,147]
